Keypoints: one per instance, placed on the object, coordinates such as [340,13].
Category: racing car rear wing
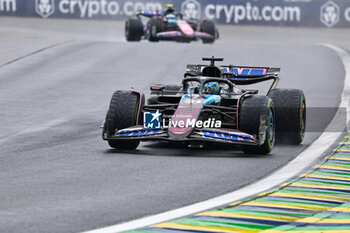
[156,13]
[150,13]
[237,74]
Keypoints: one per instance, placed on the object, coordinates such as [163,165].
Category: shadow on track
[181,150]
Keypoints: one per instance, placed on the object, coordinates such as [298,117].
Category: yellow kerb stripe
[288,206]
[333,167]
[331,177]
[235,215]
[319,186]
[311,197]
[340,158]
[318,220]
[204,228]
[340,209]
[342,150]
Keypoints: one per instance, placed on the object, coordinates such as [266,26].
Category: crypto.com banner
[314,13]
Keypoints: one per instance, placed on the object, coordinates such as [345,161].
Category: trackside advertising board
[307,13]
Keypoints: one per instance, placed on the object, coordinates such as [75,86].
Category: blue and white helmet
[212,88]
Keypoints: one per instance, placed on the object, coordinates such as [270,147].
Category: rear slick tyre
[290,107]
[133,30]
[208,27]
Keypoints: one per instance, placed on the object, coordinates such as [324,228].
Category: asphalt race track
[56,173]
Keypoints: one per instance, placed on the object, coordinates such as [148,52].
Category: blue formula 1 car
[209,108]
[169,25]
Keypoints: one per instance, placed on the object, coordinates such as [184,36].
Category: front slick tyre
[154,26]
[124,110]
[256,114]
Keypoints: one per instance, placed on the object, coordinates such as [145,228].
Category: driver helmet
[212,88]
[170,9]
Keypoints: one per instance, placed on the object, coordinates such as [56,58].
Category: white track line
[293,168]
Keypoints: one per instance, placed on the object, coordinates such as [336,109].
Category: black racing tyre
[253,110]
[290,107]
[133,30]
[208,26]
[168,90]
[154,26]
[124,110]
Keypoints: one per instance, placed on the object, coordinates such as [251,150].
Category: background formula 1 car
[169,25]
[209,93]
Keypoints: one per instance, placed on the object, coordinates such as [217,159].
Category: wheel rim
[149,31]
[154,31]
